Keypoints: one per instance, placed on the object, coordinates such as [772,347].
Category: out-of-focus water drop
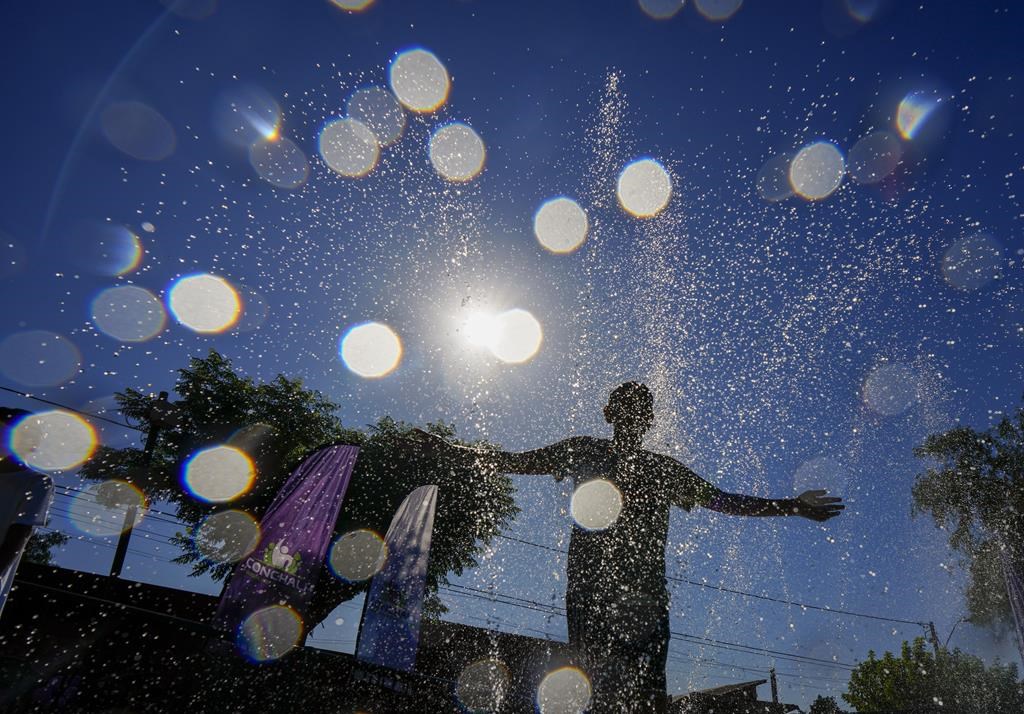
[218,474]
[227,536]
[352,5]
[560,225]
[358,555]
[483,685]
[457,152]
[596,504]
[718,10]
[379,111]
[102,508]
[564,691]
[973,262]
[874,157]
[371,349]
[128,313]
[817,170]
[279,161]
[112,250]
[773,179]
[518,336]
[53,440]
[349,147]
[204,303]
[39,358]
[891,389]
[269,633]
[419,80]
[661,9]
[644,188]
[138,130]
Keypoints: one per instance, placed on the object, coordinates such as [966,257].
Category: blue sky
[789,342]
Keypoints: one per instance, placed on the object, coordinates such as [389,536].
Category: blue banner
[390,632]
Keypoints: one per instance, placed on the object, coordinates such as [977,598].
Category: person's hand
[818,506]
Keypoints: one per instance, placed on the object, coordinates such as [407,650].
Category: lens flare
[227,536]
[560,225]
[349,148]
[718,10]
[113,250]
[128,313]
[102,509]
[419,80]
[279,161]
[644,188]
[245,115]
[596,504]
[204,303]
[371,349]
[874,157]
[358,555]
[817,170]
[518,336]
[862,10]
[483,685]
[138,130]
[38,358]
[379,111]
[973,262]
[457,152]
[52,440]
[218,474]
[773,179]
[269,633]
[564,691]
[891,389]
[914,111]
[661,9]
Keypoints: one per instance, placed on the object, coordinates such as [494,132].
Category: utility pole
[934,637]
[161,415]
[775,686]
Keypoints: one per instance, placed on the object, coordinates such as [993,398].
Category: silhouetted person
[617,601]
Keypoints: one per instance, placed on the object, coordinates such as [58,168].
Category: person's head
[630,410]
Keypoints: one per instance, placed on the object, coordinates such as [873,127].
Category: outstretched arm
[545,460]
[815,505]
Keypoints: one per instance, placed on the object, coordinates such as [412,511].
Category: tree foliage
[40,546]
[917,679]
[825,705]
[974,489]
[280,422]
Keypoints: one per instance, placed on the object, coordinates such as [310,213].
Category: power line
[26,395]
[819,608]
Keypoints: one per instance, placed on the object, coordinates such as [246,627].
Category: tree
[918,680]
[975,490]
[40,545]
[825,705]
[278,423]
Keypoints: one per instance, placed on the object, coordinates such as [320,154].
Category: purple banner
[390,632]
[294,534]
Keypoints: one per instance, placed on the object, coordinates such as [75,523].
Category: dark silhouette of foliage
[280,422]
[40,546]
[974,489]
[917,679]
[825,705]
